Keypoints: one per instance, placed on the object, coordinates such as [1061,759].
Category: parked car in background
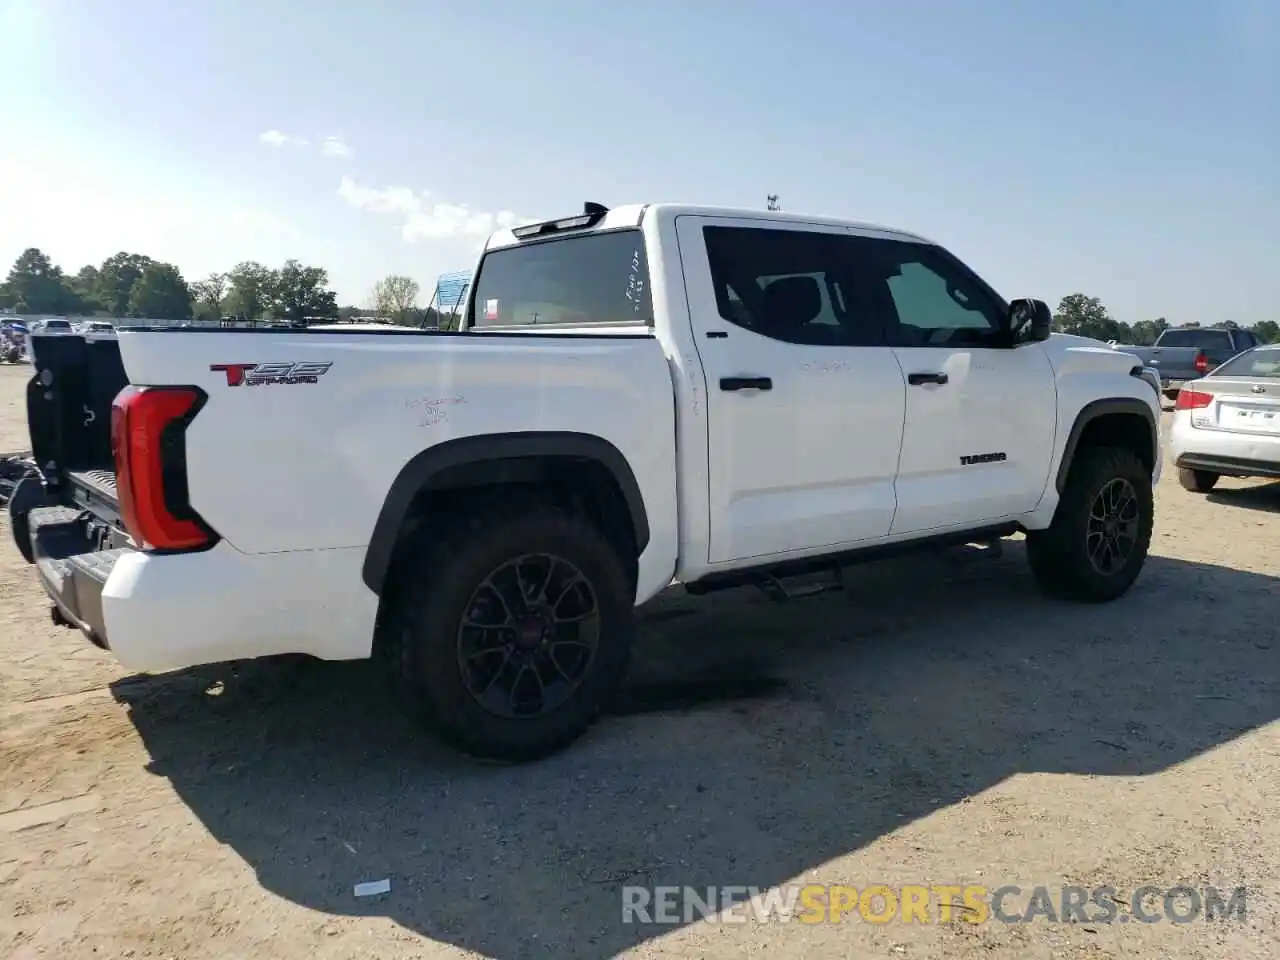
[1187,353]
[1228,423]
[60,327]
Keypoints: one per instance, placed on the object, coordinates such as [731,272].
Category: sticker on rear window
[491,309]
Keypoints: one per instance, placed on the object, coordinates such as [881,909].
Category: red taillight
[1202,364]
[1192,400]
[146,439]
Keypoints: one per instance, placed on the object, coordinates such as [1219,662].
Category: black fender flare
[507,450]
[1102,408]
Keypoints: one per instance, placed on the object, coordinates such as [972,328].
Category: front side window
[934,301]
[592,278]
[795,286]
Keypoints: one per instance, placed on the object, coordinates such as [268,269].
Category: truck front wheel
[1098,541]
[510,631]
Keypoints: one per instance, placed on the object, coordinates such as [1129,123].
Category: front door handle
[918,379]
[746,383]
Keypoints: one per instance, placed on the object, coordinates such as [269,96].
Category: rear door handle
[917,379]
[746,383]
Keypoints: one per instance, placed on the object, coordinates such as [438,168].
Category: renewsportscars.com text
[936,903]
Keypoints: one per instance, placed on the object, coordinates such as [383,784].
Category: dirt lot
[938,722]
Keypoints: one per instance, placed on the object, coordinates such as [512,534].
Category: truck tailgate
[302,433]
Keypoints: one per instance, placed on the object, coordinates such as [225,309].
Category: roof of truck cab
[631,215]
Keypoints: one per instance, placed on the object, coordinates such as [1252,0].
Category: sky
[1126,150]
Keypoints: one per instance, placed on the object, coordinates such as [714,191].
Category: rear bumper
[1221,451]
[71,571]
[1228,466]
[159,612]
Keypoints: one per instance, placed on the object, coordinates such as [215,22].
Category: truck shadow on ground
[774,738]
[1264,497]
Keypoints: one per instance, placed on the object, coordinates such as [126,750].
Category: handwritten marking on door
[691,366]
[635,283]
[431,411]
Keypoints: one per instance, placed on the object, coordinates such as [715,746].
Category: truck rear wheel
[1098,541]
[1197,481]
[510,632]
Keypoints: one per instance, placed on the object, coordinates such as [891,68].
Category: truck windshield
[1260,362]
[1212,339]
[593,278]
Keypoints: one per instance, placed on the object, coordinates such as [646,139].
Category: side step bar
[769,577]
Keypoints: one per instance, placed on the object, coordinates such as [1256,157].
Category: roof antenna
[774,205]
[590,209]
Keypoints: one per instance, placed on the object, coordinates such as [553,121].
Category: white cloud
[422,219]
[335,147]
[274,138]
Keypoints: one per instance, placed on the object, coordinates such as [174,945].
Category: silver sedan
[1228,422]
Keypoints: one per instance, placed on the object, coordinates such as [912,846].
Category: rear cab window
[1211,339]
[1260,362]
[600,278]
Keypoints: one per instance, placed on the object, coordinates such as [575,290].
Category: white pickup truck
[638,396]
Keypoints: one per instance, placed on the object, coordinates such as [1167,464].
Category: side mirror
[1029,320]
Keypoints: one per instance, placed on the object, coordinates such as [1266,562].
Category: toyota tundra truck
[638,396]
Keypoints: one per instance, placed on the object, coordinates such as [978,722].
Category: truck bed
[300,434]
[95,491]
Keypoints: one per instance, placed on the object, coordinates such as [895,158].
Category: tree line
[134,285]
[1086,316]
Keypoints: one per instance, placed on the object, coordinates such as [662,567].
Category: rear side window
[792,285]
[593,278]
[1263,362]
[1218,340]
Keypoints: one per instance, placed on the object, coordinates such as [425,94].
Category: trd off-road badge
[276,372]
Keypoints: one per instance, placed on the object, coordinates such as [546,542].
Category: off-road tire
[1197,481]
[433,583]
[1059,556]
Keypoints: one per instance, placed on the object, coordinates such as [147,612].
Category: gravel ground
[937,722]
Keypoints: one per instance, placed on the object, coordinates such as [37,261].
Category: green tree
[1145,332]
[302,292]
[37,285]
[1085,316]
[1268,331]
[209,295]
[116,278]
[396,297]
[161,292]
[86,285]
[250,290]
